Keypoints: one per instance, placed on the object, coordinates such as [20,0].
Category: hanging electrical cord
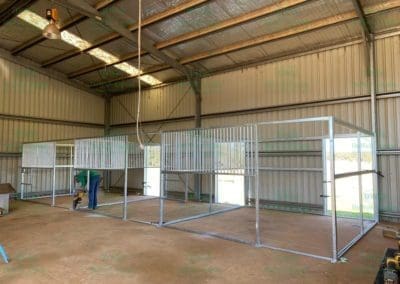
[139,75]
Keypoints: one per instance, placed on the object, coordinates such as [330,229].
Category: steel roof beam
[68,24]
[147,71]
[111,22]
[251,16]
[11,8]
[363,20]
[315,25]
[114,36]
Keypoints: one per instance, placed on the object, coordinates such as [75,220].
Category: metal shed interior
[206,64]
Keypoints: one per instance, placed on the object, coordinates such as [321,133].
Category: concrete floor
[54,245]
[305,233]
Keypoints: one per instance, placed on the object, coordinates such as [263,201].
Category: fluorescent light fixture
[74,40]
[127,68]
[103,55]
[33,19]
[150,80]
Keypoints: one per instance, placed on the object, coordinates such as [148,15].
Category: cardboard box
[5,190]
[5,202]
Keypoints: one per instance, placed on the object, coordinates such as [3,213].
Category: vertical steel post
[162,169]
[186,187]
[333,189]
[22,183]
[71,162]
[125,210]
[196,85]
[87,180]
[53,201]
[210,194]
[360,185]
[257,181]
[372,77]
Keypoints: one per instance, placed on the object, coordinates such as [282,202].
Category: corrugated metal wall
[34,107]
[24,92]
[173,101]
[329,82]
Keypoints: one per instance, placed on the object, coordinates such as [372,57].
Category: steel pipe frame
[125,169]
[357,173]
[250,139]
[342,251]
[271,169]
[203,215]
[331,123]
[122,202]
[53,168]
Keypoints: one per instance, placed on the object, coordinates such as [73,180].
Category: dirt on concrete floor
[54,245]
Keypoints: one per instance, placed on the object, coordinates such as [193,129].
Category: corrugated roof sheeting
[311,11]
[15,32]
[171,101]
[168,75]
[204,15]
[265,25]
[149,8]
[45,97]
[295,44]
[78,62]
[330,74]
[217,62]
[90,30]
[46,50]
[384,21]
[120,47]
[388,64]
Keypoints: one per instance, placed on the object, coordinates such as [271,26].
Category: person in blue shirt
[94,183]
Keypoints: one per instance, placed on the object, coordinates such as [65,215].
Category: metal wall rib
[34,107]
[321,76]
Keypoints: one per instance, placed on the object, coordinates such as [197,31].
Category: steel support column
[195,82]
[107,130]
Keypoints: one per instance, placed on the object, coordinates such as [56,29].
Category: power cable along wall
[47,171]
[215,151]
